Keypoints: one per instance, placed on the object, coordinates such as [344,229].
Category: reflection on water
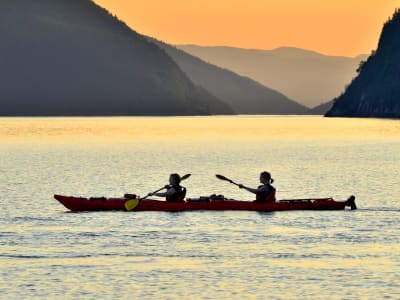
[149,128]
[46,253]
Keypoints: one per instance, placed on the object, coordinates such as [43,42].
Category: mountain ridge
[281,49]
[309,77]
[243,94]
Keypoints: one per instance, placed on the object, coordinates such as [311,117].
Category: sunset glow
[339,27]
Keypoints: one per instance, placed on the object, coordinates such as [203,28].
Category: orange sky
[334,27]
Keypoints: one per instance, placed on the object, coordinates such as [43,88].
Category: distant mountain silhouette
[321,109]
[375,92]
[243,94]
[306,76]
[71,57]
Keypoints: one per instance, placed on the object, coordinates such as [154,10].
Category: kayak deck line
[77,204]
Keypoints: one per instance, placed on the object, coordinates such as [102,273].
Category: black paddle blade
[222,177]
[185,176]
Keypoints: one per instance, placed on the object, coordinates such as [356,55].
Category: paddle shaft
[234,183]
[227,179]
[152,193]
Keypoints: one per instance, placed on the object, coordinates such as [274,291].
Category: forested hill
[71,57]
[243,94]
[375,92]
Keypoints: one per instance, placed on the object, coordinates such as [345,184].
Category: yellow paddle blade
[131,204]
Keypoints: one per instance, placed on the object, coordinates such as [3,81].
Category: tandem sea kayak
[77,204]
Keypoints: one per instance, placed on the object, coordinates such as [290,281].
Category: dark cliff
[375,92]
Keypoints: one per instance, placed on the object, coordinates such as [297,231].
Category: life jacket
[267,196]
[179,194]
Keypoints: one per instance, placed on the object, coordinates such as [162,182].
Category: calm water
[48,253]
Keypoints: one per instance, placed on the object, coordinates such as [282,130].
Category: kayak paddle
[226,179]
[131,204]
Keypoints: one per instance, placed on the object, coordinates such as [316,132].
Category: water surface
[48,253]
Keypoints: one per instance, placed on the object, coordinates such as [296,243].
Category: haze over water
[46,253]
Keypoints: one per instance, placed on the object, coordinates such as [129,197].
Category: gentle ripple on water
[48,253]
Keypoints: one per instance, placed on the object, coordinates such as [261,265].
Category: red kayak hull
[103,204]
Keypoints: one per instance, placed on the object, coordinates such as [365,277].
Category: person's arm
[251,190]
[159,194]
